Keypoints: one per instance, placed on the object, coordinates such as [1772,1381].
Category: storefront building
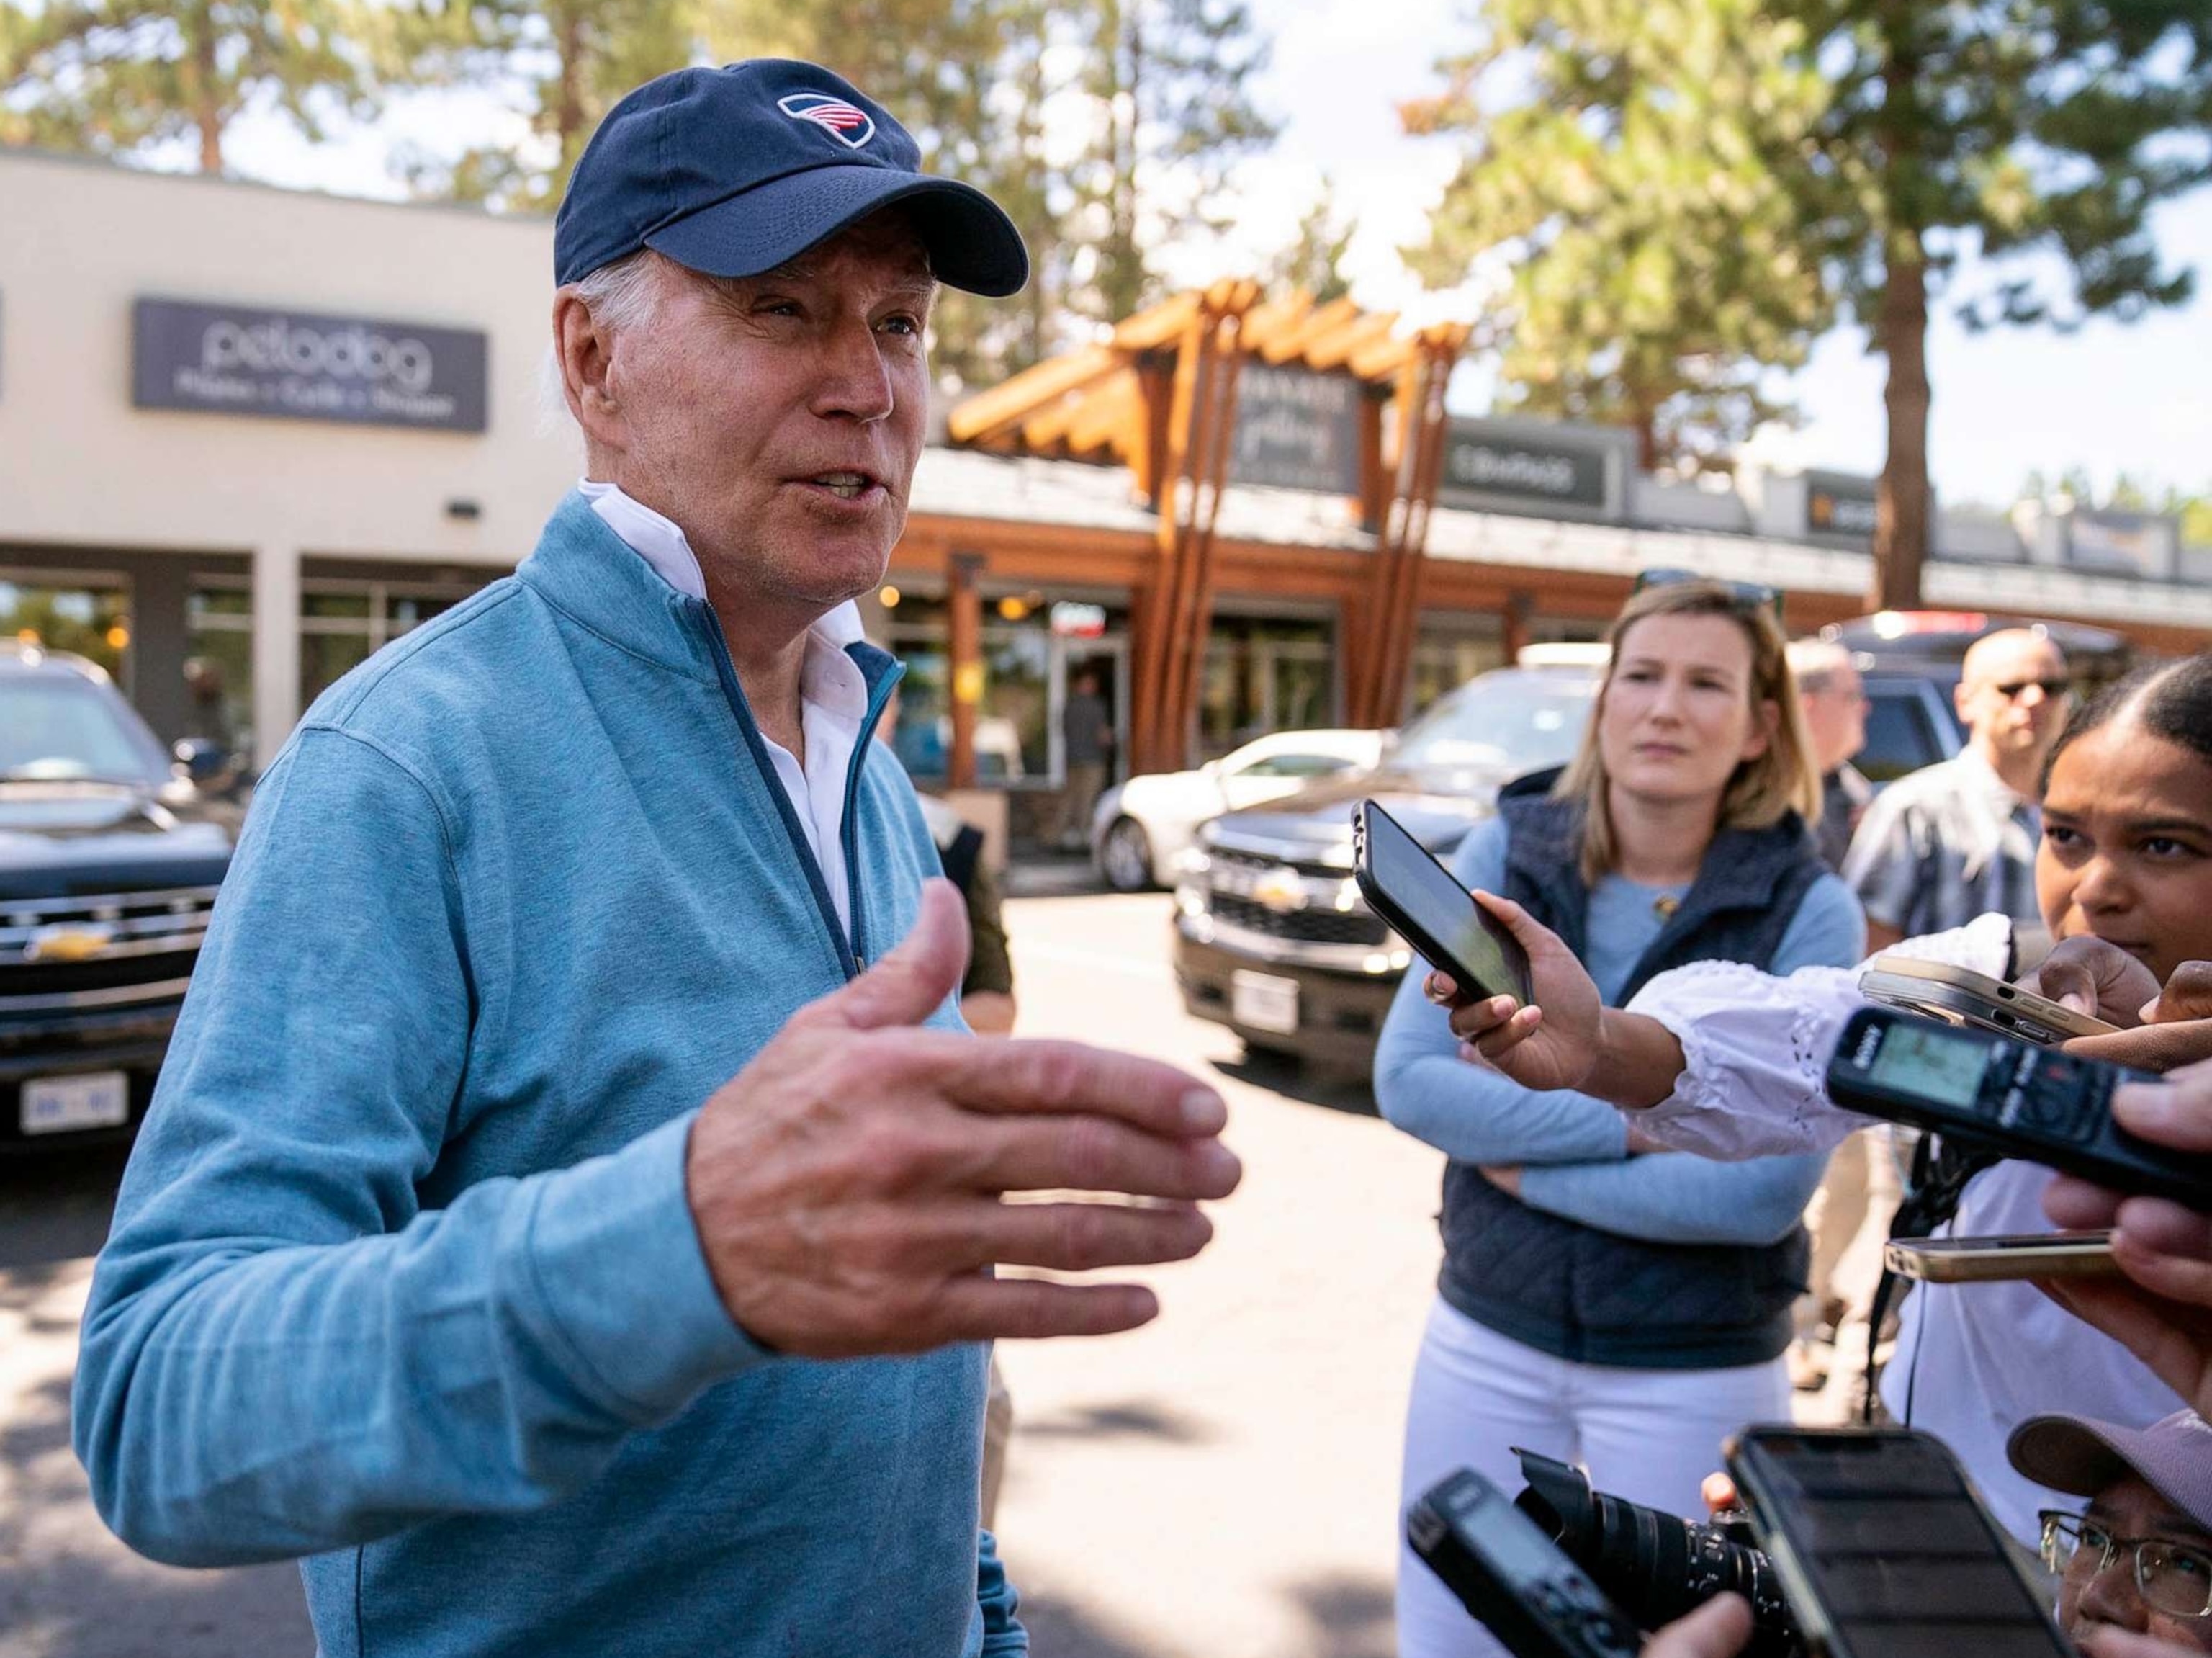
[262,433]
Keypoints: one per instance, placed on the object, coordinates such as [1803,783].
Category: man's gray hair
[621,295]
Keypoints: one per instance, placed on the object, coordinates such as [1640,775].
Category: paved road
[1221,1485]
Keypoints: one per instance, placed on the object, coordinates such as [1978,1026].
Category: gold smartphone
[2020,1255]
[1958,996]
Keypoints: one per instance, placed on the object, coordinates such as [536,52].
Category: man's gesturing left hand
[847,1184]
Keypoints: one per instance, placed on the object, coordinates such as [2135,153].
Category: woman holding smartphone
[1597,1304]
[1733,1063]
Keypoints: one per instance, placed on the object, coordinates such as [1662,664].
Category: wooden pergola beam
[1156,327]
[1008,404]
[1292,343]
[1333,349]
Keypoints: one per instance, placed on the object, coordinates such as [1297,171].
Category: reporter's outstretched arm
[1475,1113]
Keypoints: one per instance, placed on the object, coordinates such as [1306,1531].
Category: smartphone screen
[1438,913]
[1883,1535]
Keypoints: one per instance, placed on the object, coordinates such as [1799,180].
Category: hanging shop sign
[1486,464]
[300,365]
[1840,507]
[1297,429]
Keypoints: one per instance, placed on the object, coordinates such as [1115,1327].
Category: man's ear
[585,354]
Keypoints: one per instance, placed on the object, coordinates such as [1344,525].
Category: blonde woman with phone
[1598,1305]
[1731,1062]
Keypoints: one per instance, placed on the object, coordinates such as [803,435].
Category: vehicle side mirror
[201,759]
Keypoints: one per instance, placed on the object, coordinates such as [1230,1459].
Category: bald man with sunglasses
[1956,840]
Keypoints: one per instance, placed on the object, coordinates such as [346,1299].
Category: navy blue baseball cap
[733,171]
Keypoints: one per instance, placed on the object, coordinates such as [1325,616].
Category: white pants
[1649,1435]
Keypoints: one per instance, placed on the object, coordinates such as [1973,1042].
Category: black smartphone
[1883,1548]
[2007,1097]
[1403,883]
[1512,1579]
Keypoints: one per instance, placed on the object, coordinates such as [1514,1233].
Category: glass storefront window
[94,622]
[219,664]
[325,658]
[922,738]
[349,606]
[1013,724]
[1444,662]
[1262,676]
[404,611]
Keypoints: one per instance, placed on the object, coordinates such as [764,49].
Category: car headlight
[1192,860]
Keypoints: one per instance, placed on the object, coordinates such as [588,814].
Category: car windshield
[60,728]
[1504,723]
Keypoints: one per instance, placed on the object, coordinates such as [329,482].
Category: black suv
[1272,936]
[109,860]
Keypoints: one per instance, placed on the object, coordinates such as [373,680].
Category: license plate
[55,1105]
[1264,1001]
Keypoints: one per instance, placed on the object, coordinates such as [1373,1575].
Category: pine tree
[1170,112]
[1614,153]
[119,77]
[2038,127]
[572,60]
[1313,261]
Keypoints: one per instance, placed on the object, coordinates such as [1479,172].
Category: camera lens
[1655,1566]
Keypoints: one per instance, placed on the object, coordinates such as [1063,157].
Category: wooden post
[964,606]
[1514,625]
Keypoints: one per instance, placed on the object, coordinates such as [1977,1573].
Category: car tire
[1125,857]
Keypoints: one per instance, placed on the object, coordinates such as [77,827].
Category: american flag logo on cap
[848,123]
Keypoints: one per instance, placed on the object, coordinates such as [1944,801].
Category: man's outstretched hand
[848,1183]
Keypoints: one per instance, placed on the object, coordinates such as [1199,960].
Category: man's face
[1835,717]
[778,418]
[2091,1597]
[2012,695]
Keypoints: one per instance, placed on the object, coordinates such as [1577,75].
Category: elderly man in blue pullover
[559,1222]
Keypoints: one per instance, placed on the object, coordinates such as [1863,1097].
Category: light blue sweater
[403,1278]
[1572,1149]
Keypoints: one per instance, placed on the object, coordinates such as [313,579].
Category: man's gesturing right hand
[846,1183]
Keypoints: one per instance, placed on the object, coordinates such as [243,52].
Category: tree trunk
[1902,499]
[1900,525]
[568,90]
[204,90]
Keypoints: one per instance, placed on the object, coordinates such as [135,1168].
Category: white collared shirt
[833,695]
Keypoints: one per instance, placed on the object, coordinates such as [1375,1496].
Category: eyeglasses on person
[2174,1578]
[1746,596]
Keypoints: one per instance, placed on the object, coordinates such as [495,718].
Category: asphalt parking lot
[1220,1483]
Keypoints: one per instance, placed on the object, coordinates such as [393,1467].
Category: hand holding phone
[2030,1255]
[1883,1548]
[1511,1578]
[1955,995]
[2007,1097]
[1404,884]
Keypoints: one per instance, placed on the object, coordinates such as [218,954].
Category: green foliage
[1168,113]
[1315,259]
[117,77]
[567,61]
[2034,126]
[1619,153]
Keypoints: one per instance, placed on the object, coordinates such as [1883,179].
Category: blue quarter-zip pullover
[403,1278]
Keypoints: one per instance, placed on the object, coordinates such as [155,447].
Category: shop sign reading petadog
[297,365]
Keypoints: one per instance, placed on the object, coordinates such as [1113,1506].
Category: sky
[2111,398]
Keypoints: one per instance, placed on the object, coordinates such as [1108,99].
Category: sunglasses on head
[1746,596]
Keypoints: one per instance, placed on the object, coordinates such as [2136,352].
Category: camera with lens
[1655,1566]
